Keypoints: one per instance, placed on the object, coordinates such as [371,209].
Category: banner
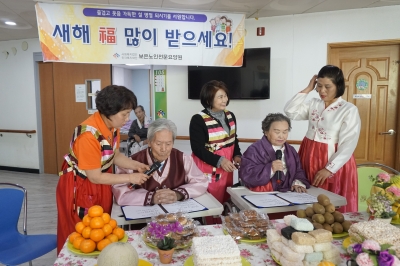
[103,34]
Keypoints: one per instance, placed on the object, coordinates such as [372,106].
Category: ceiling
[23,13]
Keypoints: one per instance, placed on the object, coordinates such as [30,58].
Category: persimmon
[79,227]
[107,229]
[72,236]
[113,223]
[103,243]
[77,242]
[95,211]
[113,238]
[86,220]
[87,246]
[86,232]
[106,217]
[119,232]
[97,222]
[96,235]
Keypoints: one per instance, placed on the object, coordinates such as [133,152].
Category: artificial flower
[371,244]
[394,189]
[384,177]
[363,259]
[385,258]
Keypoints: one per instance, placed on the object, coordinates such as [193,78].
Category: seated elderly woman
[260,169]
[177,179]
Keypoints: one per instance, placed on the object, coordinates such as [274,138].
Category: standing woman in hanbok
[326,152]
[214,141]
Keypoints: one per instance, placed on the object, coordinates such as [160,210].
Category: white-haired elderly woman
[260,166]
[178,178]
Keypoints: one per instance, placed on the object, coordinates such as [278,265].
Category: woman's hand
[237,161]
[138,178]
[311,85]
[137,138]
[140,167]
[277,165]
[320,177]
[227,165]
[298,189]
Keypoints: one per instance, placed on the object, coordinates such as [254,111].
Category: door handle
[390,132]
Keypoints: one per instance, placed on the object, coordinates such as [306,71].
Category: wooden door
[373,71]
[62,113]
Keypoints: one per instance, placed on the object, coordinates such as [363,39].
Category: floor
[42,210]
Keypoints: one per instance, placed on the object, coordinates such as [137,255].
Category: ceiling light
[134,64]
[10,23]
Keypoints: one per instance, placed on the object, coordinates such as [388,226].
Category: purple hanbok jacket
[255,168]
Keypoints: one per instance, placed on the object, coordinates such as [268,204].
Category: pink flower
[396,261]
[363,259]
[395,190]
[385,177]
[371,244]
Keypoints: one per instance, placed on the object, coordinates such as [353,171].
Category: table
[237,193]
[256,254]
[207,200]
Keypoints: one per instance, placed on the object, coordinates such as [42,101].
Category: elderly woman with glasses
[334,124]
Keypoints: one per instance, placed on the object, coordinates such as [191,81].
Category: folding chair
[17,248]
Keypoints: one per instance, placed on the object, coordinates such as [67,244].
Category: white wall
[140,86]
[299,50]
[18,106]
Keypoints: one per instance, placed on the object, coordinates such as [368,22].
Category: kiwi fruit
[318,208]
[309,212]
[337,228]
[318,218]
[329,208]
[327,227]
[301,214]
[323,200]
[329,218]
[338,217]
[318,226]
[346,225]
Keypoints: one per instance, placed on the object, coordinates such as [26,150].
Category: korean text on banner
[102,34]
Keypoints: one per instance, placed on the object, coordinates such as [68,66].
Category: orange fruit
[96,235]
[95,211]
[79,227]
[77,242]
[113,223]
[103,243]
[113,238]
[86,220]
[87,246]
[97,222]
[107,229]
[106,217]
[86,232]
[72,236]
[119,232]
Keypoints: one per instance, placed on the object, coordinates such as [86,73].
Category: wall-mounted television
[251,81]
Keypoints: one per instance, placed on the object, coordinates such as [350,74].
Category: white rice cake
[273,235]
[215,250]
[291,255]
[300,248]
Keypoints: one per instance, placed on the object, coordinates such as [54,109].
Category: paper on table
[140,212]
[189,205]
[297,198]
[266,200]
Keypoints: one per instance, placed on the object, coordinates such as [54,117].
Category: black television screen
[251,81]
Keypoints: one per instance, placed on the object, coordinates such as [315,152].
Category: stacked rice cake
[377,230]
[215,250]
[301,248]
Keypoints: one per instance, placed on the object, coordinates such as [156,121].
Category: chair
[17,248]
[364,183]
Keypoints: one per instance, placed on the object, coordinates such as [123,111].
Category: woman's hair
[139,106]
[114,99]
[159,125]
[271,118]
[335,74]
[208,91]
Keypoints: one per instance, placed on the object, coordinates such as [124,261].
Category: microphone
[278,155]
[153,168]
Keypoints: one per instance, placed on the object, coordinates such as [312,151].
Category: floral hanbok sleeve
[296,108]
